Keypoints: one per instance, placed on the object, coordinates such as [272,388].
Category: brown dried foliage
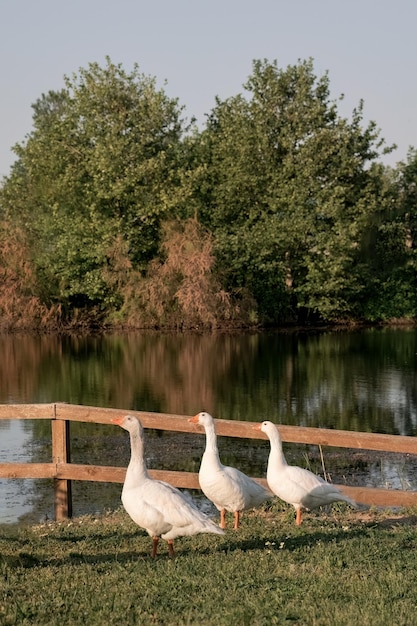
[20,307]
[182,290]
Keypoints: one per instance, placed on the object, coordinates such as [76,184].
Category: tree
[392,266]
[291,188]
[100,166]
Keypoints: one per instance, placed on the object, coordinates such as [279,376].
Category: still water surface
[357,380]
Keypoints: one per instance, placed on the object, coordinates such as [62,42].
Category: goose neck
[211,439]
[276,449]
[137,460]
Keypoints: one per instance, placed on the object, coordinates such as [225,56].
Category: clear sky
[204,49]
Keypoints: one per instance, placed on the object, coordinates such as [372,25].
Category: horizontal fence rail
[63,471]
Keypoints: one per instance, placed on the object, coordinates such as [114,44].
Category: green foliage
[392,261]
[97,166]
[292,191]
[303,221]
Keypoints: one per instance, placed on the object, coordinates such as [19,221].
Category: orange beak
[194,420]
[116,420]
[257,427]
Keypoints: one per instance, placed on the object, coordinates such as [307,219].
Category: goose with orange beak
[227,487]
[295,485]
[158,507]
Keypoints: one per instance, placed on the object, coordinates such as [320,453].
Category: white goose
[228,488]
[159,508]
[293,484]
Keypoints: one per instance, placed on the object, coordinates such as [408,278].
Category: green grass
[338,568]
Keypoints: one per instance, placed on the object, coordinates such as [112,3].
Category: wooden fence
[63,471]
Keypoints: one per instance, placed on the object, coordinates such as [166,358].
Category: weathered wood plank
[349,439]
[27,470]
[323,437]
[189,480]
[95,473]
[228,428]
[26,411]
[380,497]
[233,428]
[185,480]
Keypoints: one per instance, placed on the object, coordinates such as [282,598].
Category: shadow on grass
[286,538]
[26,561]
[405,520]
[101,536]
[295,542]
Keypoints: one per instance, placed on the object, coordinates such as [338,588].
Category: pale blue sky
[204,49]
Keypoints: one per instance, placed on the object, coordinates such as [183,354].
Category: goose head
[267,427]
[128,422]
[203,418]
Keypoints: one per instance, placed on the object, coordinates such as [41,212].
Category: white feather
[227,487]
[158,507]
[295,485]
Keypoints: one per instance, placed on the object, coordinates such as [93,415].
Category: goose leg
[237,520]
[155,541]
[298,517]
[171,549]
[223,518]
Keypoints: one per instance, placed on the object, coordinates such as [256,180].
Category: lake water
[357,380]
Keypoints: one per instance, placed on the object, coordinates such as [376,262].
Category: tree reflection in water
[351,380]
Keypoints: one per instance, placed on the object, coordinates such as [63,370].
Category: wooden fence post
[61,454]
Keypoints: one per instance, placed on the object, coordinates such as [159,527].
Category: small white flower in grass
[269,543]
[281,545]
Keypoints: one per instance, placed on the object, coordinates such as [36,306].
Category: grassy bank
[338,568]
